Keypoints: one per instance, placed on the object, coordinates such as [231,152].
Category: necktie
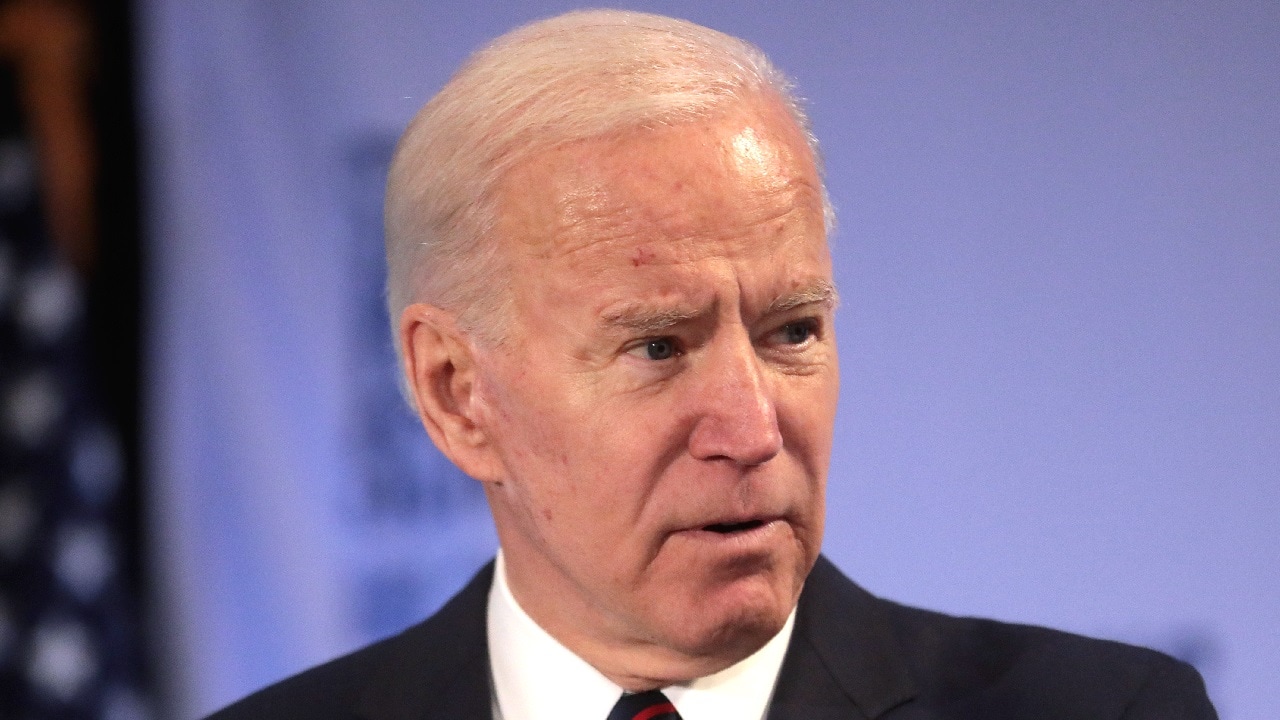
[651,705]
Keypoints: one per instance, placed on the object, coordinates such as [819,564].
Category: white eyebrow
[647,321]
[821,292]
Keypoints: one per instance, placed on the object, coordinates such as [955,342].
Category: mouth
[734,527]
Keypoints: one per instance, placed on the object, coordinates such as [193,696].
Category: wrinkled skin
[654,433]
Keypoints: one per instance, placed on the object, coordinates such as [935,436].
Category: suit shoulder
[444,656]
[966,659]
[330,690]
[939,636]
[886,655]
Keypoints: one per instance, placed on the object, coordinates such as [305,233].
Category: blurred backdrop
[72,644]
[1059,256]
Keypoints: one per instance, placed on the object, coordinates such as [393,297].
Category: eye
[657,349]
[796,333]
[663,348]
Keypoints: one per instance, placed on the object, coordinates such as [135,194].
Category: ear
[440,369]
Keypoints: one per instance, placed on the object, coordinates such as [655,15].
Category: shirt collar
[535,677]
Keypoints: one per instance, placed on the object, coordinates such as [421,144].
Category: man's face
[662,411]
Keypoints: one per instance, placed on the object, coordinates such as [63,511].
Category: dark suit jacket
[852,656]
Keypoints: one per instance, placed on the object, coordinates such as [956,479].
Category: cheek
[546,452]
[522,417]
[807,416]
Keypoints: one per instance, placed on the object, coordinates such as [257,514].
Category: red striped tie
[651,705]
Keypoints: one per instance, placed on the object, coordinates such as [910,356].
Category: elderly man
[614,304]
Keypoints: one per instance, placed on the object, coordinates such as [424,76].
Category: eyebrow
[641,319]
[821,292]
[648,320]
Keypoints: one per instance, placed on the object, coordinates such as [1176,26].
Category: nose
[737,418]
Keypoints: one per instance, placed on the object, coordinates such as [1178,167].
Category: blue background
[1059,256]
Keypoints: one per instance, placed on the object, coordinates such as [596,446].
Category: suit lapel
[843,661]
[439,669]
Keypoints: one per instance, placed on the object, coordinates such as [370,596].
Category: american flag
[70,645]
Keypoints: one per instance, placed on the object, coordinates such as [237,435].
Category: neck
[632,663]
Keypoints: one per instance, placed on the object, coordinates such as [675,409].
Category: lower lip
[744,539]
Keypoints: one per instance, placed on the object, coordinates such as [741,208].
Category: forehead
[737,181]
[661,223]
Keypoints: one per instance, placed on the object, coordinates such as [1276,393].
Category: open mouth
[729,528]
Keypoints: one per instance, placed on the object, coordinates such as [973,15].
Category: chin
[731,627]
[726,613]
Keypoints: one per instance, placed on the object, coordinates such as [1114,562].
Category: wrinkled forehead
[719,178]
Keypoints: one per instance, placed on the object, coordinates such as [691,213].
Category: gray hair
[573,77]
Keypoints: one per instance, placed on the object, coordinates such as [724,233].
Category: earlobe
[440,369]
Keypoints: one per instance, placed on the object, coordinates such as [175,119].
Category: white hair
[573,77]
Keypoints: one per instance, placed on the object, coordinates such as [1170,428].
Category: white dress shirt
[537,678]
